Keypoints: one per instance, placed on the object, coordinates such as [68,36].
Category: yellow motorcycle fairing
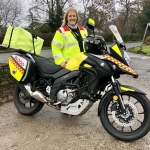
[116,49]
[120,64]
[74,63]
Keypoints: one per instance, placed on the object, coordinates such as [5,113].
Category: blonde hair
[66,15]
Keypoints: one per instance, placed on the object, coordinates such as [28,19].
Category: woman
[67,41]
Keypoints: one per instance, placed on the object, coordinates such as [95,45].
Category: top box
[20,39]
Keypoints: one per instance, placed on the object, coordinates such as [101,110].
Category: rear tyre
[26,107]
[132,126]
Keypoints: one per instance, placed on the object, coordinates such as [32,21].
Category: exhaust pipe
[37,94]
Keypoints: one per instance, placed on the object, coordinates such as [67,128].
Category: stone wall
[6,84]
[5,77]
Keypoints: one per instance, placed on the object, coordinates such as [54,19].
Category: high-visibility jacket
[65,45]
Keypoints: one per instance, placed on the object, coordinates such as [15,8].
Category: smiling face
[72,18]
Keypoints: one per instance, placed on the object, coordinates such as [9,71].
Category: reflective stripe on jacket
[64,45]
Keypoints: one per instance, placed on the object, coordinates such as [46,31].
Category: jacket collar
[72,27]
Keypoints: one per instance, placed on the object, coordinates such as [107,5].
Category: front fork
[120,101]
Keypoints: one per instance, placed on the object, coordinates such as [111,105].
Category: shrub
[147,41]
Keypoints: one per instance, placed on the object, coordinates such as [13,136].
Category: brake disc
[129,119]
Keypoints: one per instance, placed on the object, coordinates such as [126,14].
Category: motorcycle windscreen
[116,33]
[74,63]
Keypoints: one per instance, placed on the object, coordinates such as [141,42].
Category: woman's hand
[63,64]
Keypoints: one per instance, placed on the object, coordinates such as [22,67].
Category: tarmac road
[51,130]
[47,53]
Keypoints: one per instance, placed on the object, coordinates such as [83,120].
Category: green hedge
[108,37]
[147,41]
[126,37]
[46,36]
[133,37]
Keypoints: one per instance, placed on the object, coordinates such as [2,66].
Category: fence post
[148,24]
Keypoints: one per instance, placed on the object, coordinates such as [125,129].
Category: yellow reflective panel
[15,70]
[91,21]
[117,50]
[74,63]
[87,66]
[126,89]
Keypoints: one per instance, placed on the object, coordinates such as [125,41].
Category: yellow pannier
[19,38]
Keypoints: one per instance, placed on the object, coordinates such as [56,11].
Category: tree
[10,13]
[101,12]
[127,16]
[83,13]
[144,16]
[51,11]
[32,18]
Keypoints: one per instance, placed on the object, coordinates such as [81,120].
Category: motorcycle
[88,77]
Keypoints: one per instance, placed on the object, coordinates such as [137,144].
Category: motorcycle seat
[46,65]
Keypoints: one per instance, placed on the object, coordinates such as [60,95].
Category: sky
[25,6]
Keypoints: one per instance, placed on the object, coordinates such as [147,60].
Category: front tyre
[26,107]
[132,126]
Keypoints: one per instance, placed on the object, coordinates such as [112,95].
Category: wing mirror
[91,25]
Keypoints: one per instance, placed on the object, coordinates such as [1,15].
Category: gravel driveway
[51,130]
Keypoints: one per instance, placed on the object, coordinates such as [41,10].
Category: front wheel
[134,124]
[26,107]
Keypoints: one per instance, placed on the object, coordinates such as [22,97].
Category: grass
[144,49]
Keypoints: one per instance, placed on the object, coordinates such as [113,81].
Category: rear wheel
[134,124]
[26,106]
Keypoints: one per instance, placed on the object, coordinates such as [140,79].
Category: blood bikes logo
[21,61]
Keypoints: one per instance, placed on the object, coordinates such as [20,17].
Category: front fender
[122,89]
[125,88]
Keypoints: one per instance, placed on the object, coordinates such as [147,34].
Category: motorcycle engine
[65,96]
